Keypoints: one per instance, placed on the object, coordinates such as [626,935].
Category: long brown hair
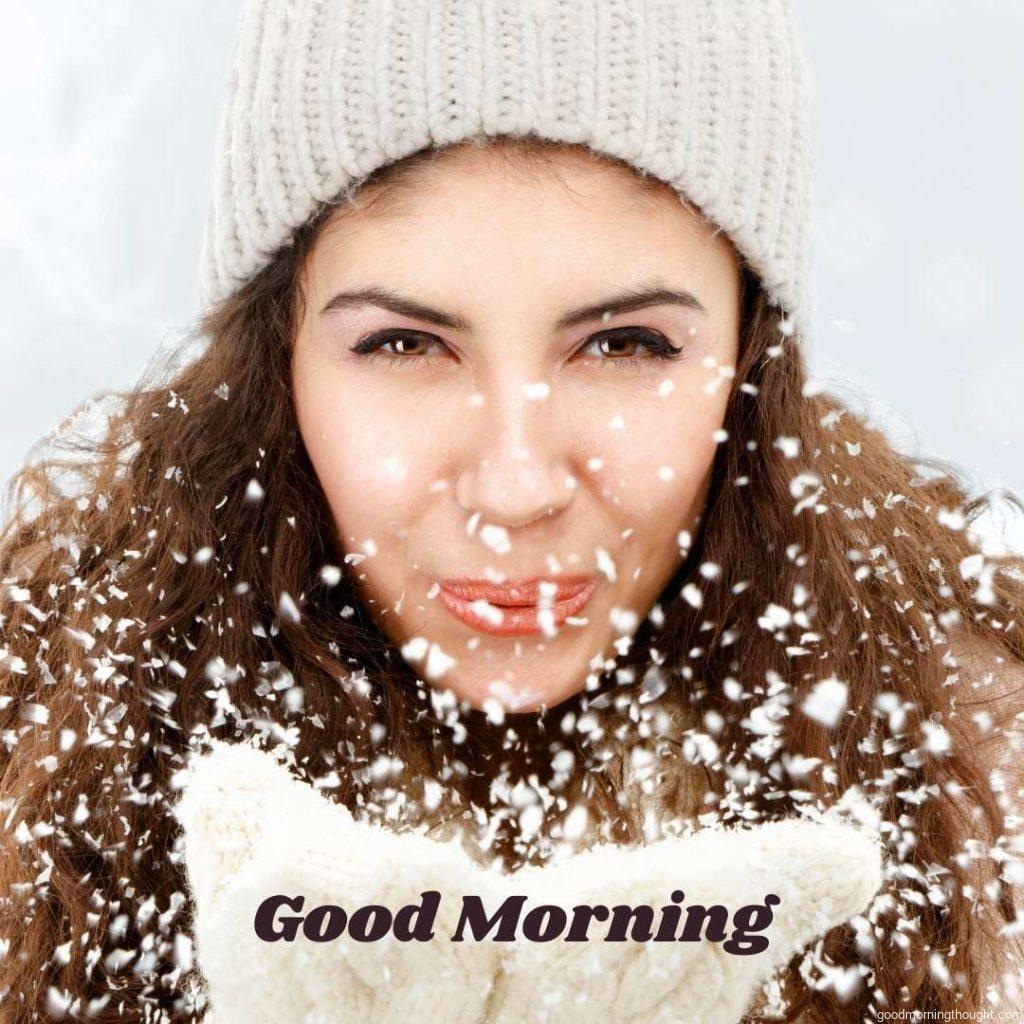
[163,584]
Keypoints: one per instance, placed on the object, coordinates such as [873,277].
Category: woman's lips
[519,603]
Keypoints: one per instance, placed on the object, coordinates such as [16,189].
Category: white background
[109,110]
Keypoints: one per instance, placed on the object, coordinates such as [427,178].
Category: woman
[498,487]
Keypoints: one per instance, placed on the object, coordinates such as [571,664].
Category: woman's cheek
[375,462]
[654,463]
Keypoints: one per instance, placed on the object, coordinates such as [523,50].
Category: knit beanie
[710,96]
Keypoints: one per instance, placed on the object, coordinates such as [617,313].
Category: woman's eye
[631,345]
[396,345]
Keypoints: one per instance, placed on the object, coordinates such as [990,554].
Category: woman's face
[509,386]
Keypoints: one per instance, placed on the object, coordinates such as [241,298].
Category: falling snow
[826,702]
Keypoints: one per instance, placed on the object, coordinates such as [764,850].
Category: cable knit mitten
[253,830]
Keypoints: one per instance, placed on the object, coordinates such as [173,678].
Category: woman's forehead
[456,233]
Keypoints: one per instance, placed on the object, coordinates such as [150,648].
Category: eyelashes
[656,345]
[373,345]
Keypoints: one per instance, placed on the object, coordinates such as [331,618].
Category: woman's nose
[517,460]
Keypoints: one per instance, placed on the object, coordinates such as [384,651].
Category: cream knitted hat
[708,95]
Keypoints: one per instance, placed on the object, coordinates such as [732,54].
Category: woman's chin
[501,697]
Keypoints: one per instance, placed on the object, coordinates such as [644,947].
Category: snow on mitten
[253,830]
[823,872]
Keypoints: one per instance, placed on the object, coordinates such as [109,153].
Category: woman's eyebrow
[627,301]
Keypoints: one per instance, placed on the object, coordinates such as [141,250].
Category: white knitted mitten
[253,830]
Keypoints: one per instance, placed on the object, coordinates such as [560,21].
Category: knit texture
[710,96]
[252,830]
